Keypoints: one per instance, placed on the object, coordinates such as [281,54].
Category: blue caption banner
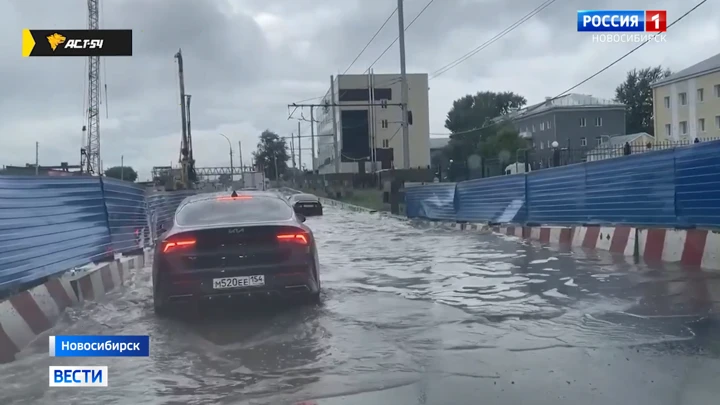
[99,346]
[611,20]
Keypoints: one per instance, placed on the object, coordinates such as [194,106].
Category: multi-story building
[371,134]
[686,105]
[573,121]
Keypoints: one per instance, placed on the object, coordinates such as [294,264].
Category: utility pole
[231,157]
[312,137]
[122,167]
[335,128]
[404,88]
[292,149]
[240,156]
[37,158]
[299,147]
[183,116]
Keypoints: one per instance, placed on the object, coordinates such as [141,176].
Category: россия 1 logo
[623,25]
[76,43]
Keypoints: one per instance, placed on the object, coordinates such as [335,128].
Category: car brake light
[298,238]
[178,244]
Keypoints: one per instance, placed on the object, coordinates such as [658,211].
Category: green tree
[126,173]
[636,94]
[470,121]
[271,153]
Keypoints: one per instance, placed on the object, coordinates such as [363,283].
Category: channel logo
[651,21]
[76,43]
[78,376]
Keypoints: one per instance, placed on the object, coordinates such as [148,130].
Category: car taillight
[173,245]
[299,238]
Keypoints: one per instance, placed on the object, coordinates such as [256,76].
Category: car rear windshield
[306,197]
[216,212]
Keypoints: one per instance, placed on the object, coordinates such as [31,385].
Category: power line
[545,4]
[615,62]
[398,37]
[371,40]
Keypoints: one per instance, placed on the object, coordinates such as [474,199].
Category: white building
[362,128]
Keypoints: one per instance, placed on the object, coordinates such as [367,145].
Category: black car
[224,246]
[306,204]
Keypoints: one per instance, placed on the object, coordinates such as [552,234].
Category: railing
[677,187]
[49,225]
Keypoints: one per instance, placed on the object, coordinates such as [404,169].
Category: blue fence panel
[697,184]
[494,199]
[161,206]
[49,225]
[431,201]
[635,190]
[125,203]
[557,196]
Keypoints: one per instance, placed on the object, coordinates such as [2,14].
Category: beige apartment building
[687,103]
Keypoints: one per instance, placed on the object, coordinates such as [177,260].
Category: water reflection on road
[446,317]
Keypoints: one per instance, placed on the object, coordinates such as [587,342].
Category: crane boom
[184,145]
[92,161]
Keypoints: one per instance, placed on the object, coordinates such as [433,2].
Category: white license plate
[308,205]
[238,282]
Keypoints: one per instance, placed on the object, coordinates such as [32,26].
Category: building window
[700,95]
[383,103]
[583,122]
[542,146]
[547,125]
[384,123]
[668,130]
[701,125]
[385,143]
[683,98]
[667,101]
[598,121]
[683,127]
[542,126]
[717,121]
[533,127]
[717,90]
[549,144]
[598,141]
[583,141]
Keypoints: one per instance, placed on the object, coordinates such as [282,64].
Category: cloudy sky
[245,60]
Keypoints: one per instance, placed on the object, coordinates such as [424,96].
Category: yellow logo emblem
[55,40]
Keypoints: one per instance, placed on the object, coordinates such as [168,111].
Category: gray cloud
[246,60]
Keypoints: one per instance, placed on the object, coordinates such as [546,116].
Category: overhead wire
[371,40]
[613,63]
[545,4]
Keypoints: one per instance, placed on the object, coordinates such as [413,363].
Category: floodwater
[415,316]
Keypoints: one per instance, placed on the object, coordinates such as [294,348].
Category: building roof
[439,143]
[568,101]
[709,65]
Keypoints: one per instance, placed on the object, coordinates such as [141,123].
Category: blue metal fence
[127,217]
[671,188]
[49,225]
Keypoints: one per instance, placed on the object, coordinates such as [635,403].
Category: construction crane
[186,162]
[90,151]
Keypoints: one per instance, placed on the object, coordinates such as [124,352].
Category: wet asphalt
[415,316]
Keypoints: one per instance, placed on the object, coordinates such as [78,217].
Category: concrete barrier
[26,315]
[692,247]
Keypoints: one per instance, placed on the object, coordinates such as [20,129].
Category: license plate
[308,205]
[238,282]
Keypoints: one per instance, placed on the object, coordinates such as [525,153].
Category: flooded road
[416,316]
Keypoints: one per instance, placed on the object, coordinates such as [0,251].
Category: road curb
[27,314]
[690,247]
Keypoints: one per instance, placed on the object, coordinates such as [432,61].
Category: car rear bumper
[285,283]
[309,211]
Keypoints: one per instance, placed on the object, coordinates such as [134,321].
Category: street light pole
[231,157]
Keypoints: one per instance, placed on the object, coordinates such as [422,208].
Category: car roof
[212,196]
[305,196]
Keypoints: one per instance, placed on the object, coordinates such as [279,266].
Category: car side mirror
[301,217]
